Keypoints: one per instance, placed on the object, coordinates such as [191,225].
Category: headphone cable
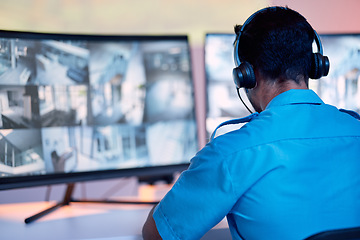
[238,92]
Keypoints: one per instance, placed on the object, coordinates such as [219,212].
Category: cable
[238,92]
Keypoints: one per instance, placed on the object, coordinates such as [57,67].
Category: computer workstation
[119,125]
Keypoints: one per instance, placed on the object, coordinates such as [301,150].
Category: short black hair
[278,42]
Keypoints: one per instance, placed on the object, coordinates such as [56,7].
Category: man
[293,170]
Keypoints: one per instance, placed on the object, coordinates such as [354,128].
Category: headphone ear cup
[244,76]
[238,77]
[320,66]
[314,72]
[326,65]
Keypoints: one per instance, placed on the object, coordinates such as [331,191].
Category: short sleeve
[201,198]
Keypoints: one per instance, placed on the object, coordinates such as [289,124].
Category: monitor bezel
[16,182]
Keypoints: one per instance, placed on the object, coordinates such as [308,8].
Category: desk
[85,221]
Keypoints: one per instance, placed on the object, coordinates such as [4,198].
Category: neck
[270,90]
[287,85]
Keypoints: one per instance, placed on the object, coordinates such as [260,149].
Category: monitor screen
[340,88]
[223,102]
[87,107]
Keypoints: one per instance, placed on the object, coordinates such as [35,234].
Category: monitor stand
[68,199]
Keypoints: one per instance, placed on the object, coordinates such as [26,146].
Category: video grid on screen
[78,105]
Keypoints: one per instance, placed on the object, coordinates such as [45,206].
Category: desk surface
[86,221]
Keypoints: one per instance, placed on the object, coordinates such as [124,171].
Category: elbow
[149,230]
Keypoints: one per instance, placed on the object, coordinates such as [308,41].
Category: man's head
[277,43]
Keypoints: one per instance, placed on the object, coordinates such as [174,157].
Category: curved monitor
[86,107]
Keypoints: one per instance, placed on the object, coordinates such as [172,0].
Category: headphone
[243,73]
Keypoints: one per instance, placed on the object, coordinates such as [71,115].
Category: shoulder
[250,134]
[351,113]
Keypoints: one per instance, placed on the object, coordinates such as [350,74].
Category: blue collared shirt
[292,171]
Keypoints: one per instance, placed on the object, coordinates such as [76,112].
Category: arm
[149,231]
[200,198]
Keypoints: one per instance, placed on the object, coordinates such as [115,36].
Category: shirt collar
[295,96]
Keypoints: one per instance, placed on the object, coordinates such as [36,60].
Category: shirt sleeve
[201,198]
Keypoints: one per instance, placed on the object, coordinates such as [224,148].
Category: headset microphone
[238,92]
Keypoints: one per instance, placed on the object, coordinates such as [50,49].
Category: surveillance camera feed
[73,105]
[340,88]
[223,102]
[342,85]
